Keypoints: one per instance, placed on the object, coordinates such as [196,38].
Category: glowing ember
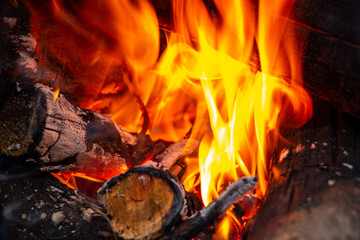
[203,80]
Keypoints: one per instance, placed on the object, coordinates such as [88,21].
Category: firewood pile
[146,202]
[314,184]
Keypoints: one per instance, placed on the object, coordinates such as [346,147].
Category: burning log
[149,203]
[314,181]
[55,135]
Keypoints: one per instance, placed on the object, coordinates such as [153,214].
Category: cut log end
[19,123]
[143,202]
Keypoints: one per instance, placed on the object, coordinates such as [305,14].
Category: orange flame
[56,94]
[246,109]
[203,80]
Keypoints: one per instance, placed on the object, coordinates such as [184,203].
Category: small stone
[58,217]
[325,144]
[338,173]
[346,153]
[43,216]
[312,146]
[23,216]
[331,182]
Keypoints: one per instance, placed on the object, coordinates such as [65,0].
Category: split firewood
[148,203]
[55,135]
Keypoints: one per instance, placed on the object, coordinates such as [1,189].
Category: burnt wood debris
[314,179]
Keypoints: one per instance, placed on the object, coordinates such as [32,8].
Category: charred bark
[55,135]
[315,182]
[40,207]
[52,134]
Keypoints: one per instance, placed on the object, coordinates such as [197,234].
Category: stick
[190,227]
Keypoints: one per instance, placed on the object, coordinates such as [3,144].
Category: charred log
[314,182]
[54,134]
[40,207]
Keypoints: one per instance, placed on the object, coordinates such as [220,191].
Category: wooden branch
[315,179]
[172,153]
[191,226]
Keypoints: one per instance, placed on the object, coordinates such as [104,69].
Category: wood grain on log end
[143,202]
